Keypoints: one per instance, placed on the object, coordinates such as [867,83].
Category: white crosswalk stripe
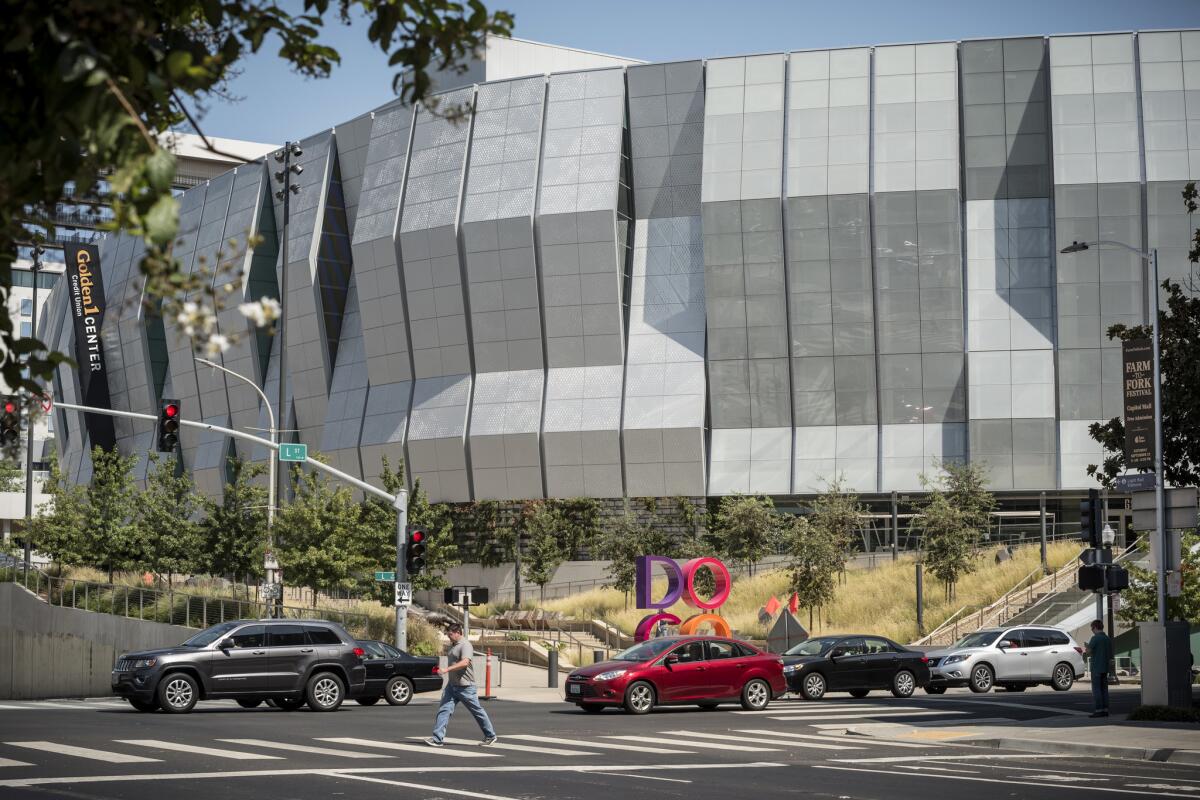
[857,740]
[853,717]
[528,748]
[408,748]
[826,708]
[107,756]
[637,748]
[693,743]
[216,752]
[8,762]
[771,739]
[304,748]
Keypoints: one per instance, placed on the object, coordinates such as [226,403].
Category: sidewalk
[524,684]
[1113,737]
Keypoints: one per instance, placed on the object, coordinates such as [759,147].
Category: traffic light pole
[400,503]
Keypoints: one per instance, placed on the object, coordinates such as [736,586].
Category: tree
[1140,601]
[112,531]
[495,540]
[579,520]
[545,551]
[623,541]
[815,557]
[837,515]
[94,84]
[58,528]
[441,552]
[234,530]
[948,542]
[12,477]
[746,528]
[167,519]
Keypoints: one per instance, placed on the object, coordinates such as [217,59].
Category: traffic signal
[168,426]
[10,422]
[414,554]
[1089,519]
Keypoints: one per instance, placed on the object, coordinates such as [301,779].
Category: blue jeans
[467,695]
[1100,690]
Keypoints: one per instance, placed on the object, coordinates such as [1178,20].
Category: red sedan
[679,670]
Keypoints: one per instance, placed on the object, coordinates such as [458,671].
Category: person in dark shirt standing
[1099,653]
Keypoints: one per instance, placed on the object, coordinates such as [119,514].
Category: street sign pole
[401,506]
[1160,477]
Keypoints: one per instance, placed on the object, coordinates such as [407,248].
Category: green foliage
[12,477]
[1140,601]
[746,529]
[624,540]
[441,552]
[546,549]
[59,527]
[953,520]
[170,534]
[837,514]
[495,539]
[579,521]
[94,84]
[112,531]
[815,557]
[233,530]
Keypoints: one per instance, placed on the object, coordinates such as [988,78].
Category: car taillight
[358,651]
[1079,650]
[924,659]
[437,670]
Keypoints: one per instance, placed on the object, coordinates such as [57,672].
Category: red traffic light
[9,406]
[171,410]
[418,536]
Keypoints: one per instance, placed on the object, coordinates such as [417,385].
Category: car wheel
[245,703]
[935,690]
[1063,677]
[367,701]
[324,692]
[813,687]
[982,679]
[145,706]
[904,683]
[287,703]
[178,693]
[859,692]
[399,691]
[591,708]
[639,698]
[756,695]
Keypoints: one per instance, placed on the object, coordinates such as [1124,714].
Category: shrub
[1164,714]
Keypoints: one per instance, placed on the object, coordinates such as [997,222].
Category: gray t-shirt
[456,653]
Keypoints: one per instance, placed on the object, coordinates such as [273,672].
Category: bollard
[552,669]
[487,681]
[598,656]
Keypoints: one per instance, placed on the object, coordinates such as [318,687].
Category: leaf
[160,170]
[162,221]
[178,63]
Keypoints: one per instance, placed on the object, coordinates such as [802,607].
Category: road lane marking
[1005,781]
[1009,704]
[694,743]
[858,740]
[225,775]
[525,748]
[438,790]
[83,752]
[902,759]
[923,768]
[304,748]
[8,762]
[826,708]
[216,752]
[529,737]
[763,740]
[1109,774]
[647,777]
[850,717]
[408,748]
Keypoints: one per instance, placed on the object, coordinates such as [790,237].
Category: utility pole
[28,550]
[401,506]
[1042,515]
[284,193]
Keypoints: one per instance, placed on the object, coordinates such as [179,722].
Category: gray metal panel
[347,394]
[179,346]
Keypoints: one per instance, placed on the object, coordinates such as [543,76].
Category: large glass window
[250,636]
[333,265]
[287,636]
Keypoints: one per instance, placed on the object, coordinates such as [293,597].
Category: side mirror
[671,660]
[223,645]
[1004,645]
[837,652]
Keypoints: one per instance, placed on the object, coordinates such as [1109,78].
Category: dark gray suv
[285,662]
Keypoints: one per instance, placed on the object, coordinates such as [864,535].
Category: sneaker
[1096,714]
[489,741]
[433,742]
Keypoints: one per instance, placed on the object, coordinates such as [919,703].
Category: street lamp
[284,193]
[1108,535]
[28,549]
[1151,260]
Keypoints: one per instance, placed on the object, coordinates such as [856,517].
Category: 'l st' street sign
[293,452]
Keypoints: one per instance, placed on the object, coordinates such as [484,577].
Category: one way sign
[403,594]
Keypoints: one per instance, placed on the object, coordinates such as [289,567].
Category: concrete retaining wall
[47,651]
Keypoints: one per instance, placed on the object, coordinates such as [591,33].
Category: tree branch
[208,145]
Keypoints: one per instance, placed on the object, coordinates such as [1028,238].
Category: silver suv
[286,663]
[1014,658]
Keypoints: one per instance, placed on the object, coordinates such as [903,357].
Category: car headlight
[142,663]
[612,673]
[953,659]
[788,669]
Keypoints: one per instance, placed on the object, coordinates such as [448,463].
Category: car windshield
[646,650]
[209,635]
[980,639]
[813,647]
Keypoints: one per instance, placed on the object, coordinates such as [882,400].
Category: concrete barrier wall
[47,651]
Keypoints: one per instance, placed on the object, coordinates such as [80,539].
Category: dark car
[679,670]
[288,663]
[854,664]
[395,675]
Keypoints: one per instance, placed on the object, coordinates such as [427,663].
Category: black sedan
[855,664]
[395,675]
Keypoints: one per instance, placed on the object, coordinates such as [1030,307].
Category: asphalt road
[103,749]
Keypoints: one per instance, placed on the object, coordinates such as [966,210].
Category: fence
[176,608]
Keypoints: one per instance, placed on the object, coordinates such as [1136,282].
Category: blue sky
[276,104]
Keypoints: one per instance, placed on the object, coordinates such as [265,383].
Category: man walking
[1099,653]
[460,688]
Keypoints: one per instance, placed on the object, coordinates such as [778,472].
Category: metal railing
[173,607]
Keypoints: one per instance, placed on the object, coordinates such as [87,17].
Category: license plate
[573,688]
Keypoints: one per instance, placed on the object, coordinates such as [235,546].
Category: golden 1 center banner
[85,294]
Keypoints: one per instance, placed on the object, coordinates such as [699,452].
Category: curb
[1162,754]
